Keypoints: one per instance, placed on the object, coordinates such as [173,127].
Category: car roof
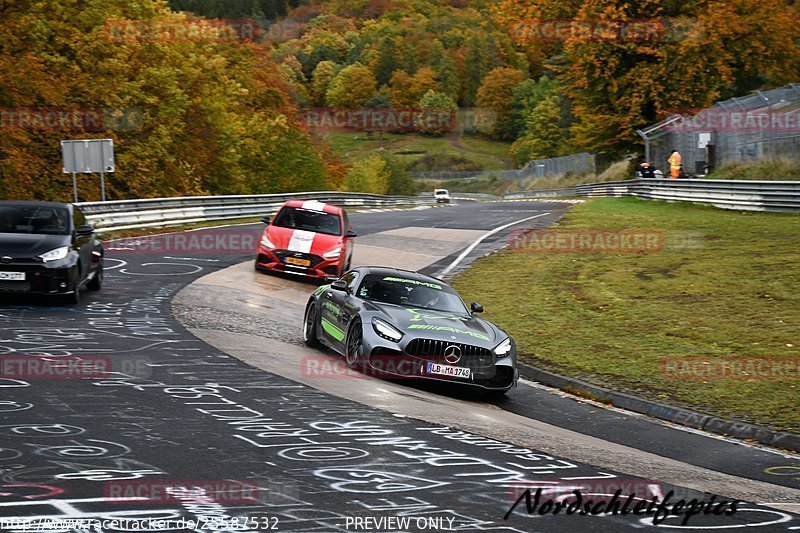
[408,274]
[32,203]
[314,205]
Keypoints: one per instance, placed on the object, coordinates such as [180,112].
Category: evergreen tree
[544,136]
[445,70]
[474,70]
[389,60]
[400,183]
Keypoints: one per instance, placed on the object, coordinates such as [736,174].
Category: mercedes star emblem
[452,354]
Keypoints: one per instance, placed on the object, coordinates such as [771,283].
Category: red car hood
[302,241]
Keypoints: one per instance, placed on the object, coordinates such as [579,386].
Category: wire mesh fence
[763,125]
[583,163]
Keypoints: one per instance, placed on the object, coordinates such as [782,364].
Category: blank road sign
[88,156]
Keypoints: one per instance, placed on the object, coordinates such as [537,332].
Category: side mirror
[350,233]
[475,307]
[86,229]
[265,220]
[339,285]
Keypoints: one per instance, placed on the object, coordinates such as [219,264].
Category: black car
[48,248]
[403,324]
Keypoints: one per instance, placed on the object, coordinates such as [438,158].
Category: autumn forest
[211,96]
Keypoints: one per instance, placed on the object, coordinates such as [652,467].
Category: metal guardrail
[778,196]
[544,193]
[474,196]
[163,212]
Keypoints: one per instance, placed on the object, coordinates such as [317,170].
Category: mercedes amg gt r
[401,324]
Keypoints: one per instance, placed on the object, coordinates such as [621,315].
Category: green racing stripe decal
[332,330]
[321,289]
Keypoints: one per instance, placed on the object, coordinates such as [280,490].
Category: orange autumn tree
[624,64]
[192,106]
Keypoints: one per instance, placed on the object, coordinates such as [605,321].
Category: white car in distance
[442,196]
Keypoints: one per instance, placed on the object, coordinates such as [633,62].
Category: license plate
[12,276]
[298,262]
[447,370]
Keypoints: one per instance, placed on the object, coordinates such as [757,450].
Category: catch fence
[762,125]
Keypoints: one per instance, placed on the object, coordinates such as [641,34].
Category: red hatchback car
[307,238]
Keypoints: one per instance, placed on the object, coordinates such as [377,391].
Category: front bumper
[39,279]
[318,267]
[393,360]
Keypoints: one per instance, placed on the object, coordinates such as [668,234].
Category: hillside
[214,96]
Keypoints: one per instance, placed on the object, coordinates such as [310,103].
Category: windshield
[37,220]
[308,220]
[411,293]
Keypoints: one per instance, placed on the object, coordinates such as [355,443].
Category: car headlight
[504,348]
[55,255]
[333,254]
[383,329]
[266,242]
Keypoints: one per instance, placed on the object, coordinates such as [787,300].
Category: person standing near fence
[675,164]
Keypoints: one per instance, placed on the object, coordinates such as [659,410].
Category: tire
[353,347]
[310,326]
[97,281]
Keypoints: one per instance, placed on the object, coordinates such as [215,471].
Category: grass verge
[784,169]
[723,289]
[410,147]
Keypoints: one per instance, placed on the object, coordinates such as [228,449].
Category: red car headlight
[266,242]
[333,254]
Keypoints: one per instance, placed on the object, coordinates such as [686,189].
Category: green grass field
[484,153]
[724,288]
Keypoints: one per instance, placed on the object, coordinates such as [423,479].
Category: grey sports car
[402,324]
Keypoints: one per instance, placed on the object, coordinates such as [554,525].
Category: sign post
[88,156]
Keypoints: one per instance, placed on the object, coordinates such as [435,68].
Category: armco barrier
[163,212]
[781,196]
[544,193]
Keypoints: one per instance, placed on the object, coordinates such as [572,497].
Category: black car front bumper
[40,278]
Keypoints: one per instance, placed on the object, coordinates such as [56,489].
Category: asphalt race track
[210,386]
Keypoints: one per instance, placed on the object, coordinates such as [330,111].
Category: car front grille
[434,350]
[283,254]
[14,286]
